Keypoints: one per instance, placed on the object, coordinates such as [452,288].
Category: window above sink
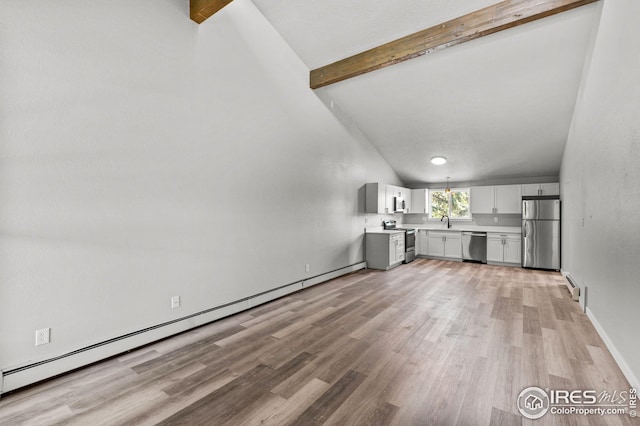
[455,204]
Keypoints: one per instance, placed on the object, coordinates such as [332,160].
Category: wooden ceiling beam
[200,10]
[489,20]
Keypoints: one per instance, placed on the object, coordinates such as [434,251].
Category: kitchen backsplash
[478,219]
[375,220]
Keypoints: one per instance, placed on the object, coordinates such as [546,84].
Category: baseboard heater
[18,377]
[573,288]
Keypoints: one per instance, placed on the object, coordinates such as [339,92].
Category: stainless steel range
[409,239]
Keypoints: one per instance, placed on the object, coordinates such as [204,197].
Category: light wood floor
[429,343]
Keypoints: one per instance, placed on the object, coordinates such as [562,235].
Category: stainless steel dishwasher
[474,247]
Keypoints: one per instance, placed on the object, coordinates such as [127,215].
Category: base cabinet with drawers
[384,250]
[503,248]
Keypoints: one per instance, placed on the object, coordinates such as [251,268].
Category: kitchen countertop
[379,230]
[459,227]
[463,227]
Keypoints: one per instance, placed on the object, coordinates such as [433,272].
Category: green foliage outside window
[460,205]
[439,204]
[455,204]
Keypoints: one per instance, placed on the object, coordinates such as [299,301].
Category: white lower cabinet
[503,248]
[453,246]
[495,249]
[396,249]
[422,242]
[436,245]
[444,244]
[384,250]
[513,249]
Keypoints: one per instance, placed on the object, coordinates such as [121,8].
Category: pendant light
[447,190]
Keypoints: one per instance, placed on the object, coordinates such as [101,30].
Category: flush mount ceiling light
[438,160]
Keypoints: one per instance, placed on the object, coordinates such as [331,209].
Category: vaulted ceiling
[498,107]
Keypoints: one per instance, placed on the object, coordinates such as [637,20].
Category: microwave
[399,205]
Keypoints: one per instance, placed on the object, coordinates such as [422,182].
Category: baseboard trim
[34,372]
[450,259]
[512,265]
[617,356]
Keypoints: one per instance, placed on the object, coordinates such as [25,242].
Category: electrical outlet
[43,336]
[307,268]
[175,302]
[424,218]
[495,220]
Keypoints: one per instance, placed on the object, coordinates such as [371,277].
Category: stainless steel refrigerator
[541,232]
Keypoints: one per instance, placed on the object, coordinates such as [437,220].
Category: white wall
[143,156]
[600,184]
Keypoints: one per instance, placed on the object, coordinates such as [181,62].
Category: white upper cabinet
[406,196]
[482,199]
[380,198]
[375,199]
[394,193]
[418,201]
[499,199]
[508,199]
[550,188]
[391,193]
[541,189]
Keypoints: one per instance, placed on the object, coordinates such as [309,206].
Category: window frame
[452,219]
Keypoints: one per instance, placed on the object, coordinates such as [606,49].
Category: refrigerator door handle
[526,245]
